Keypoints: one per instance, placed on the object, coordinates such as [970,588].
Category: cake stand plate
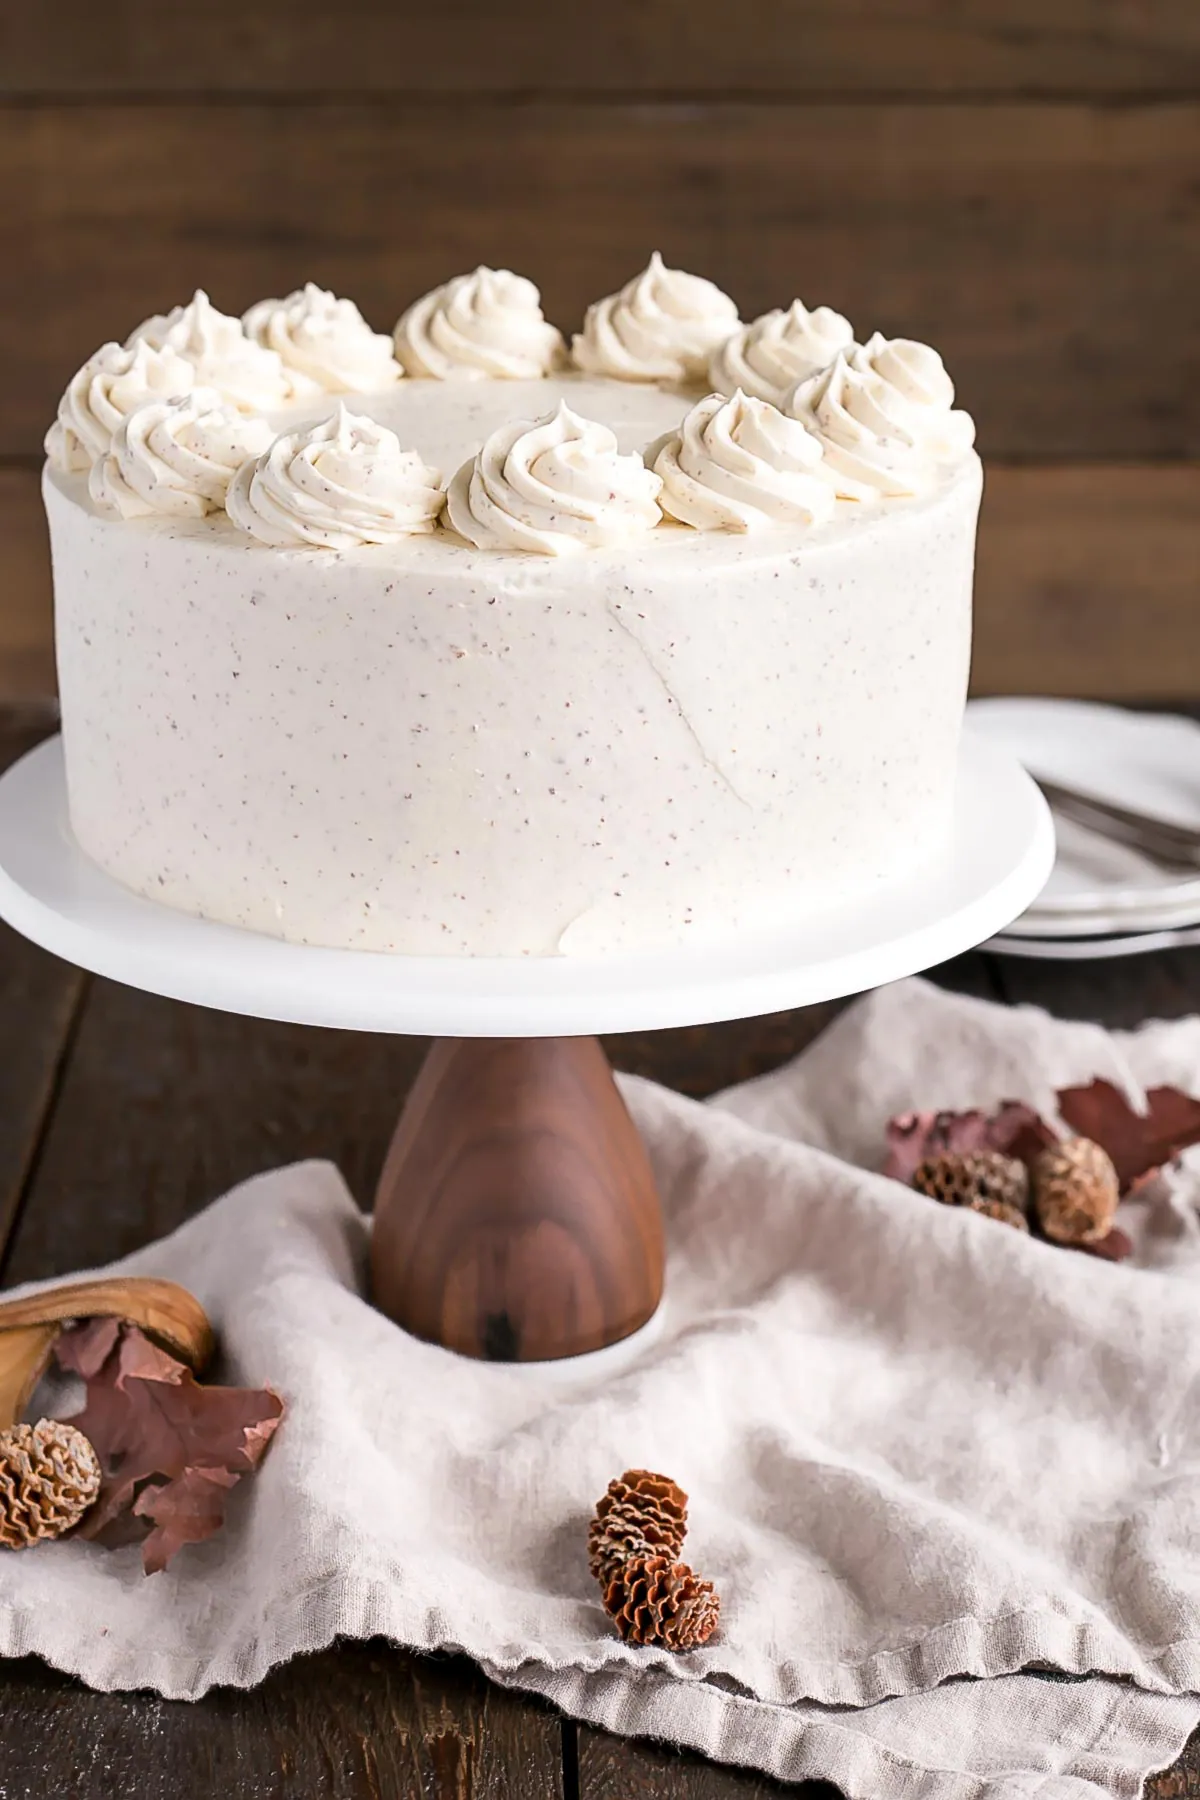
[998,858]
[516,1218]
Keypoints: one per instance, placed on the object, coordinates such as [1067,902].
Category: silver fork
[1174,846]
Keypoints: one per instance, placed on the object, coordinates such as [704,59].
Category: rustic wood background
[1016,180]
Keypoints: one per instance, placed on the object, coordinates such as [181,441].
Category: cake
[466,641]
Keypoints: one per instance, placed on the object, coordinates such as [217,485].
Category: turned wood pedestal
[516,1217]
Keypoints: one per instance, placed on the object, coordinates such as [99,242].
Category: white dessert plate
[1147,761]
[1000,853]
[1164,915]
[1130,943]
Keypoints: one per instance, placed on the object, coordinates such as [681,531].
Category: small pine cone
[641,1514]
[49,1476]
[1002,1212]
[980,1179]
[654,1600]
[1075,1191]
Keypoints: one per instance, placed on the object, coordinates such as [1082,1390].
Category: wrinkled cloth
[924,1451]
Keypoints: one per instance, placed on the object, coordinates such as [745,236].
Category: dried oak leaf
[1115,1247]
[1139,1143]
[170,1448]
[1014,1129]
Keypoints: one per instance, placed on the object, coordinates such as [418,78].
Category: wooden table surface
[120,1114]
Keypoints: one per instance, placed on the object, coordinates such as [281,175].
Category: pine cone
[1075,1191]
[983,1180]
[49,1476]
[641,1514]
[657,1601]
[1001,1211]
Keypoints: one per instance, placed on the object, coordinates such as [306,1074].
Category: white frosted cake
[458,642]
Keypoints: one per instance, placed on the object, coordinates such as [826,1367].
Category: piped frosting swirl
[334,486]
[175,457]
[554,487]
[664,325]
[883,436]
[324,340]
[103,392]
[487,325]
[244,373]
[766,358]
[920,392]
[741,465]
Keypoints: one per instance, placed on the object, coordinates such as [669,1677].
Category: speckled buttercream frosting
[549,660]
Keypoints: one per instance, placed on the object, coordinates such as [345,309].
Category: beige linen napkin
[919,1446]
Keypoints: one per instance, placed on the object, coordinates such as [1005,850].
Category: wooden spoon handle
[163,1310]
[24,1354]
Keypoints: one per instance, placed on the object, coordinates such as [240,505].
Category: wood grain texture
[1050,251]
[849,46]
[698,1059]
[39,1001]
[1086,583]
[615,1769]
[1181,1782]
[516,1217]
[26,622]
[164,1106]
[363,1722]
[1120,994]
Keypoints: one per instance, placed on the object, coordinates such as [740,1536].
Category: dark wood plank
[614,1769]
[1180,1783]
[363,1722]
[39,1001]
[1086,583]
[1122,993]
[1049,251]
[699,1059]
[164,1106]
[973,974]
[26,622]
[873,46]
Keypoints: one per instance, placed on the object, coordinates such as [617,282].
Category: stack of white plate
[1104,898]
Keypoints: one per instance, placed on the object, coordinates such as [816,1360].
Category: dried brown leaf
[1113,1248]
[185,1511]
[1014,1129]
[86,1349]
[169,1447]
[1139,1143]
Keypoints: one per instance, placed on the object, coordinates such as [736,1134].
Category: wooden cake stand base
[516,1217]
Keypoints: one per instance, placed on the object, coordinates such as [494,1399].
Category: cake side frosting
[483,754]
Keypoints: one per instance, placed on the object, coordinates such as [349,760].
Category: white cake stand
[516,1216]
